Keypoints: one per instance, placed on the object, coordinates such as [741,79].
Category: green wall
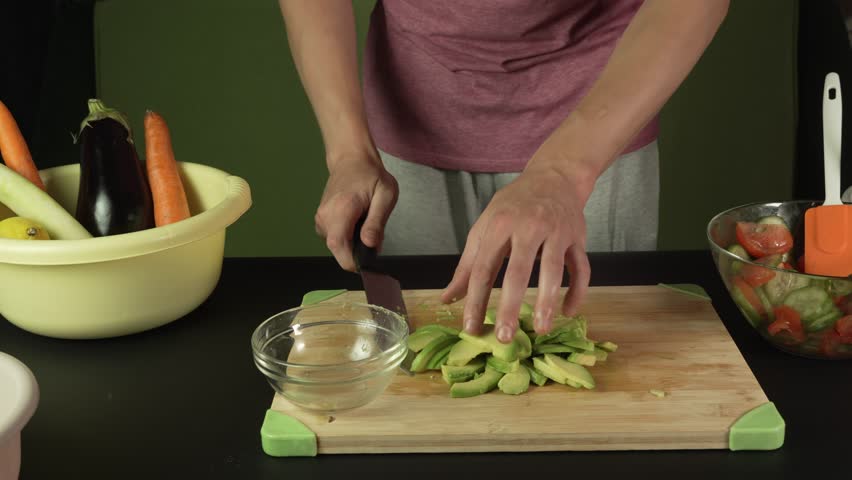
[221,74]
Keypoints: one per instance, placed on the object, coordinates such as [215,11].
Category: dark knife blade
[381,289]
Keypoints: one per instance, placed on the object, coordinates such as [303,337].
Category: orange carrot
[169,196]
[14,148]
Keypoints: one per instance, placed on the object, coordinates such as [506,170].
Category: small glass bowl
[331,357]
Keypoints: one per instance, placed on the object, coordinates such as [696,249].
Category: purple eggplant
[114,196]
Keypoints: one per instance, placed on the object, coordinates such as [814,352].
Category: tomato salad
[800,313]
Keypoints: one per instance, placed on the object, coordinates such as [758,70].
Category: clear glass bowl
[807,315]
[332,356]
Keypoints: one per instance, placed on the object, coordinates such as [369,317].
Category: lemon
[20,228]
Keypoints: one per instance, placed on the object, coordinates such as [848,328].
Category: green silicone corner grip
[687,289]
[762,428]
[318,296]
[283,436]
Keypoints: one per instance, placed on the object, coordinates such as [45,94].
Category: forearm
[322,39]
[658,49]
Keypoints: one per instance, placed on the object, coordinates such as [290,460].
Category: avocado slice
[607,346]
[555,348]
[503,366]
[587,359]
[462,373]
[421,361]
[418,340]
[443,328]
[566,329]
[515,383]
[484,383]
[572,372]
[526,316]
[600,354]
[552,373]
[535,376]
[487,339]
[440,357]
[490,316]
[464,352]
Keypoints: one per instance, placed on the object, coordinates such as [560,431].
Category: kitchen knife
[382,289]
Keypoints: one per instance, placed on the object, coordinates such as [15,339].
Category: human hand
[540,211]
[355,185]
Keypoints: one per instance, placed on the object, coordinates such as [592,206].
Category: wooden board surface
[668,341]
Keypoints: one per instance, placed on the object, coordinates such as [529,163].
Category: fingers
[381,206]
[551,273]
[515,283]
[483,272]
[457,288]
[578,265]
[338,221]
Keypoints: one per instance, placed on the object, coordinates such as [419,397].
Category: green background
[221,74]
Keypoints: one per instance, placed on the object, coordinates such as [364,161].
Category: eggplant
[114,196]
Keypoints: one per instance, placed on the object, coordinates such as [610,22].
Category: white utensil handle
[832,121]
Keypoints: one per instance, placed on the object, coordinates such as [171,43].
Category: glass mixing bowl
[761,266]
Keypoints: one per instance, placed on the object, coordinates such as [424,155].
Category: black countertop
[185,400]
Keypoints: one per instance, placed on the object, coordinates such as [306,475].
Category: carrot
[14,149]
[170,203]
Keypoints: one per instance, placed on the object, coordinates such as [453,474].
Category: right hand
[355,185]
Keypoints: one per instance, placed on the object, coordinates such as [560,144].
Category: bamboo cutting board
[668,341]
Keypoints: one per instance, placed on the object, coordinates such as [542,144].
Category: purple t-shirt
[479,85]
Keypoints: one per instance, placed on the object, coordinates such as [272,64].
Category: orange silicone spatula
[828,228]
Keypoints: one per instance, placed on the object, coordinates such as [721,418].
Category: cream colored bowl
[120,284]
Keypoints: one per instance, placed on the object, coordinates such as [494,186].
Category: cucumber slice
[839,287]
[767,306]
[823,321]
[745,306]
[773,220]
[810,302]
[782,284]
[733,267]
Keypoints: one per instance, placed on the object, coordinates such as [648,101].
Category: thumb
[382,204]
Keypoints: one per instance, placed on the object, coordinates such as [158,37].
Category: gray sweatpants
[437,208]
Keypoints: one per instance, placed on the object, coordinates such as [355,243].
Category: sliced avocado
[434,326]
[488,340]
[526,316]
[607,346]
[440,357]
[480,385]
[587,359]
[490,316]
[454,374]
[600,354]
[515,383]
[554,374]
[555,348]
[583,345]
[524,344]
[572,372]
[503,366]
[565,329]
[419,339]
[535,376]
[464,352]
[421,361]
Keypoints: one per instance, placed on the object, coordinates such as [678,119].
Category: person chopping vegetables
[505,128]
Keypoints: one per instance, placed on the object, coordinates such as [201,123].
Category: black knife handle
[364,256]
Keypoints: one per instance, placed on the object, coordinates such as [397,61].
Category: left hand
[540,211]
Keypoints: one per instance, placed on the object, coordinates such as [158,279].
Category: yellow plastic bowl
[120,284]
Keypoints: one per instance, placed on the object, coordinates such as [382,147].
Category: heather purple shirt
[478,85]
